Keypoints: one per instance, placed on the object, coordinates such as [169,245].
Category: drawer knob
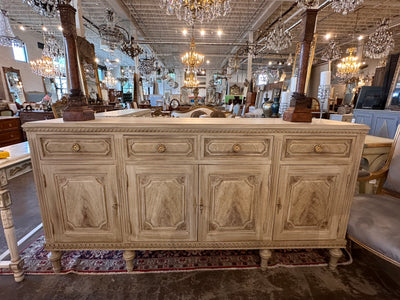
[318,148]
[236,148]
[161,148]
[76,147]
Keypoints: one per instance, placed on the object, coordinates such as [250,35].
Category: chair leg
[129,255]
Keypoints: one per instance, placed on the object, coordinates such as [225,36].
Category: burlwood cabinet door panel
[308,202]
[82,202]
[232,202]
[162,202]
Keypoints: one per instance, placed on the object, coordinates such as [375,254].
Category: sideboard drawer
[308,148]
[77,147]
[10,137]
[9,123]
[159,147]
[226,148]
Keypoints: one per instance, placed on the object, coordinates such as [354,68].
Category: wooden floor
[368,277]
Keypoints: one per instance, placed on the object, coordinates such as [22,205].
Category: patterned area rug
[110,262]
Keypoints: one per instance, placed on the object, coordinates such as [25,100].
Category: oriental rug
[111,262]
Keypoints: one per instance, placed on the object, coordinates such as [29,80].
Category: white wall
[30,81]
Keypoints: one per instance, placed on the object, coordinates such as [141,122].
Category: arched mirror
[14,85]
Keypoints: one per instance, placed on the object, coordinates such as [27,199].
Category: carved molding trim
[342,132]
[13,171]
[197,245]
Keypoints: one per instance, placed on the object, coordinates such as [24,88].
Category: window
[20,53]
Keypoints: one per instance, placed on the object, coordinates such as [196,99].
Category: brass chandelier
[349,65]
[192,58]
[191,80]
[46,67]
[196,10]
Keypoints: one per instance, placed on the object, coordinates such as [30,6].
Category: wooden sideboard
[10,131]
[172,183]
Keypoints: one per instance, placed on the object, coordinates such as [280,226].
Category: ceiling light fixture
[327,36]
[46,67]
[196,10]
[52,48]
[112,36]
[345,6]
[192,58]
[202,32]
[331,52]
[219,32]
[22,28]
[191,80]
[279,38]
[349,66]
[184,32]
[380,42]
[132,49]
[7,36]
[307,3]
[45,8]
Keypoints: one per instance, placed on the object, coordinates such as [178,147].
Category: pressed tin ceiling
[162,34]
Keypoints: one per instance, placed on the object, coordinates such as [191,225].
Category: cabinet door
[308,202]
[233,201]
[162,202]
[82,202]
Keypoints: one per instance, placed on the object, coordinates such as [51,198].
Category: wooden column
[300,105]
[77,109]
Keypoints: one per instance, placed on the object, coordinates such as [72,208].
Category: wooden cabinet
[307,207]
[162,202]
[233,202]
[170,183]
[10,131]
[83,204]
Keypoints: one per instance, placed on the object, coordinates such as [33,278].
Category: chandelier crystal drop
[196,10]
[52,48]
[307,3]
[7,36]
[279,38]
[380,42]
[45,8]
[111,35]
[192,58]
[345,6]
[331,52]
[46,67]
[349,66]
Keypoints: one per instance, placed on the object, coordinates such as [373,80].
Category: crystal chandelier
[331,52]
[345,6]
[307,3]
[349,65]
[7,37]
[46,67]
[196,10]
[191,80]
[110,81]
[279,38]
[45,8]
[147,66]
[380,42]
[192,58]
[111,35]
[52,48]
[131,49]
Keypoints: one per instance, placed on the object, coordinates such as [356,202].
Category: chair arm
[375,175]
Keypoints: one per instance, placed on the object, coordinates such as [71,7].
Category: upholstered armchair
[375,218]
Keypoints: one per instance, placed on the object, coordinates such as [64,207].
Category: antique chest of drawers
[10,131]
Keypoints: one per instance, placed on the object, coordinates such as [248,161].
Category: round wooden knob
[236,148]
[161,148]
[318,149]
[76,147]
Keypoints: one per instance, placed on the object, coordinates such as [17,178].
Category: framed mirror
[14,85]
[393,101]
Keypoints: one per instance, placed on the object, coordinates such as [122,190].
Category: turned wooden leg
[55,259]
[265,255]
[335,254]
[16,263]
[129,255]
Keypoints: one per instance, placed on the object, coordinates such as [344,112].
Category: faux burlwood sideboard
[175,183]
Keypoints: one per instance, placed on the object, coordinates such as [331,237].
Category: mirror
[14,84]
[393,101]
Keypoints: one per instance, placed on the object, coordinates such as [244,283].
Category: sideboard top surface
[116,124]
